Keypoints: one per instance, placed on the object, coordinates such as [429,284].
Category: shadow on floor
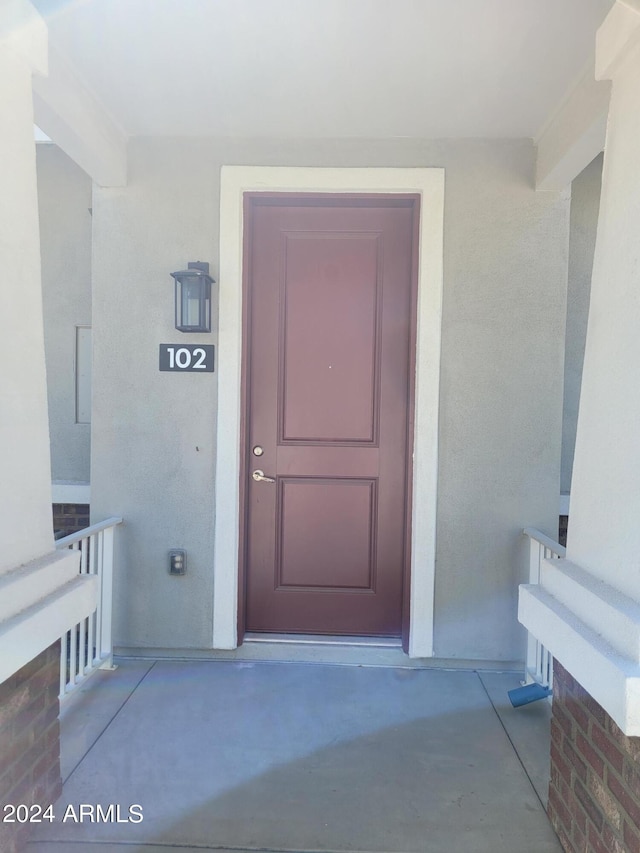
[294,757]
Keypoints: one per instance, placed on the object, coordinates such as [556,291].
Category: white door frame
[429,184]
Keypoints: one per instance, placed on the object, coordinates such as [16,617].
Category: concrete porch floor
[263,756]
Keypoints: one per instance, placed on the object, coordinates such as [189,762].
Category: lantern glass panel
[192,303]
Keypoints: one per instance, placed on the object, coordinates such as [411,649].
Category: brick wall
[69,518]
[594,792]
[563,527]
[29,741]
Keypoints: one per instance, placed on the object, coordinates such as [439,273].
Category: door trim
[429,184]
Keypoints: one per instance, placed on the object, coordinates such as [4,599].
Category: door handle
[259,477]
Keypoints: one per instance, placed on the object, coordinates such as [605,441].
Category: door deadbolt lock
[257,450]
[259,477]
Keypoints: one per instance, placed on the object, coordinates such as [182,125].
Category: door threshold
[259,648]
[324,640]
[324,648]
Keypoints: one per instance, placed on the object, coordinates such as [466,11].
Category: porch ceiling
[327,68]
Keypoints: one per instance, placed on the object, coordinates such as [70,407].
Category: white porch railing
[539,665]
[87,646]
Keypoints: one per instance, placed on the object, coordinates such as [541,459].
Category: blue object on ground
[527,694]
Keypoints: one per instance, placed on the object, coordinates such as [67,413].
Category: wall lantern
[193,298]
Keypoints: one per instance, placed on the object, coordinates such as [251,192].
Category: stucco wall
[501,403]
[585,205]
[64,199]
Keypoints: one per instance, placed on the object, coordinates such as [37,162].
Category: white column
[604,534]
[586,609]
[25,512]
[41,594]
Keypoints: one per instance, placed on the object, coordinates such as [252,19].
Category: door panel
[330,357]
[329,290]
[335,550]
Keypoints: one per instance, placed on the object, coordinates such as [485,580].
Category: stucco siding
[64,201]
[501,392]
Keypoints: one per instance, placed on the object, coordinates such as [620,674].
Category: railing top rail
[88,531]
[546,541]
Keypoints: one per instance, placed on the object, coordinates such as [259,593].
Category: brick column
[594,792]
[29,742]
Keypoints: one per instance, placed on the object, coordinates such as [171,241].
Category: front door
[328,380]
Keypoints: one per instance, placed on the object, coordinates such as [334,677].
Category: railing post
[84,562]
[96,570]
[105,556]
[534,561]
[534,577]
[539,664]
[64,651]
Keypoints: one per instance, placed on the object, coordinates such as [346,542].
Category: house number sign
[187,358]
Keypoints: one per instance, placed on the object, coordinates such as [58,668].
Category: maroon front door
[328,391]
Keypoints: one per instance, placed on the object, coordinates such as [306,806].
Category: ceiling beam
[574,135]
[76,121]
